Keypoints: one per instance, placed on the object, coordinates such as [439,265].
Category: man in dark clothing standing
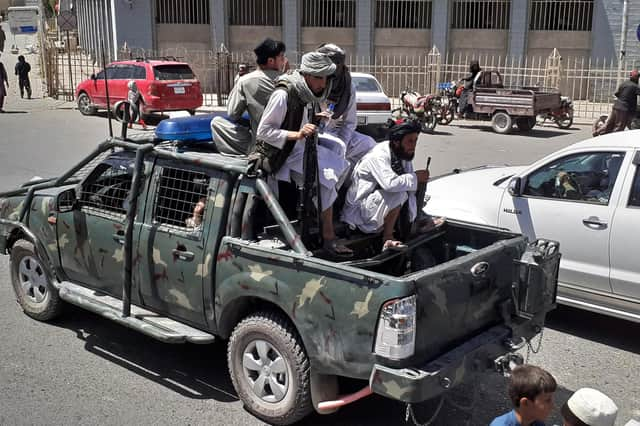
[22,71]
[624,108]
[468,81]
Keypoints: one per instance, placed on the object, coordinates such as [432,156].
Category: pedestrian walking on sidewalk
[22,71]
[4,81]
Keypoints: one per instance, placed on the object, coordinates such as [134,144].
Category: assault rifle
[310,187]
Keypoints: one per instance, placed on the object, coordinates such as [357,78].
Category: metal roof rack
[158,58]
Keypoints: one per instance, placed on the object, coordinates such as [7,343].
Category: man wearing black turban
[343,97]
[382,182]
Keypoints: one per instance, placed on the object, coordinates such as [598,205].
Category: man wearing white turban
[285,125]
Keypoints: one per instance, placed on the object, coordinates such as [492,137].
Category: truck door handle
[594,221]
[187,256]
[118,237]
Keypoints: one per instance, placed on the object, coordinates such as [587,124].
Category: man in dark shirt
[22,71]
[624,108]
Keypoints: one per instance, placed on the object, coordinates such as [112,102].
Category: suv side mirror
[67,201]
[515,187]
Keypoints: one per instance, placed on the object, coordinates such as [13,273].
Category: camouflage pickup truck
[186,245]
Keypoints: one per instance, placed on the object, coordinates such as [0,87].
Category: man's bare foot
[394,245]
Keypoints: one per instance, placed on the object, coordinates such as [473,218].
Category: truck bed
[518,102]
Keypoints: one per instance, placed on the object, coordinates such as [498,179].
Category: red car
[164,86]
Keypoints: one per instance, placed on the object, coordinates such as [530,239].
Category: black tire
[598,123]
[35,294]
[447,117]
[429,123]
[84,104]
[191,111]
[565,122]
[279,341]
[501,123]
[634,124]
[525,123]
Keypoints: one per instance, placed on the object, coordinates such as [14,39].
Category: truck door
[571,199]
[91,236]
[173,262]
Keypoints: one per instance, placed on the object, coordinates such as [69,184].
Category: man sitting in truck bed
[382,182]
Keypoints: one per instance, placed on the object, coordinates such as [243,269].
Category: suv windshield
[173,72]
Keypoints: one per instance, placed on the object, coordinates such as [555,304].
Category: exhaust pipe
[345,399]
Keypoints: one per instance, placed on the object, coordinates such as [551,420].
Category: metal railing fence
[561,15]
[182,11]
[255,12]
[329,13]
[481,14]
[589,82]
[403,14]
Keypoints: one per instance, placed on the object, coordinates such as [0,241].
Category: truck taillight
[377,106]
[154,89]
[396,335]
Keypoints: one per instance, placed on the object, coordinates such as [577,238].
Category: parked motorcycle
[448,102]
[633,124]
[423,109]
[562,116]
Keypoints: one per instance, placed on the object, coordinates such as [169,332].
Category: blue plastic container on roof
[194,128]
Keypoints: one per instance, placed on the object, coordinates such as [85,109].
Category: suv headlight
[396,334]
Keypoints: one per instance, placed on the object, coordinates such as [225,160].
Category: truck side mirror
[515,187]
[67,201]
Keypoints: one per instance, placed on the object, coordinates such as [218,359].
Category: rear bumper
[373,117]
[157,103]
[436,377]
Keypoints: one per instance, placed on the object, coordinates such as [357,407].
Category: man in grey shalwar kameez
[250,93]
[285,126]
[382,182]
[343,97]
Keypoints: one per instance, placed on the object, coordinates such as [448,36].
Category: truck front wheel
[36,295]
[501,123]
[270,369]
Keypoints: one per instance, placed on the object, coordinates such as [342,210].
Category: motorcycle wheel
[541,119]
[565,121]
[446,117]
[399,113]
[429,123]
[600,121]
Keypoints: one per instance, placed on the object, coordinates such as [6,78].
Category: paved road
[82,369]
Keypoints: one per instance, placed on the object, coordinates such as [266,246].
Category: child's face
[539,408]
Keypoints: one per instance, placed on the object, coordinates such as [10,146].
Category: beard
[401,153]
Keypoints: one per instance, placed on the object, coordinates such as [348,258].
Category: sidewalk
[13,103]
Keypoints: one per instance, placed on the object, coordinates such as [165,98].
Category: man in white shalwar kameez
[343,97]
[250,93]
[285,126]
[382,182]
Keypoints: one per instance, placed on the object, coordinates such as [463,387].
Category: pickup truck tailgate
[462,297]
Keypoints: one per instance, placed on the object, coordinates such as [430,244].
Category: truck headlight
[396,334]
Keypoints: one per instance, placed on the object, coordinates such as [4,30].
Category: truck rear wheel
[269,368]
[525,123]
[36,295]
[501,123]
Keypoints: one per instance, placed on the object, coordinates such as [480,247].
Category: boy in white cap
[589,407]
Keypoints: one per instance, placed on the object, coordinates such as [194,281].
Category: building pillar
[518,27]
[218,21]
[365,27]
[440,25]
[291,26]
[605,29]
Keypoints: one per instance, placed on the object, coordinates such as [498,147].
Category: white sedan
[586,196]
[373,106]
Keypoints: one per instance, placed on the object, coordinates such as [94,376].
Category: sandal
[336,249]
[394,245]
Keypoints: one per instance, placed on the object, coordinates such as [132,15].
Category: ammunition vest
[271,158]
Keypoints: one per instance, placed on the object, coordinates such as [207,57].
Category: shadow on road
[14,112]
[603,329]
[200,372]
[194,371]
